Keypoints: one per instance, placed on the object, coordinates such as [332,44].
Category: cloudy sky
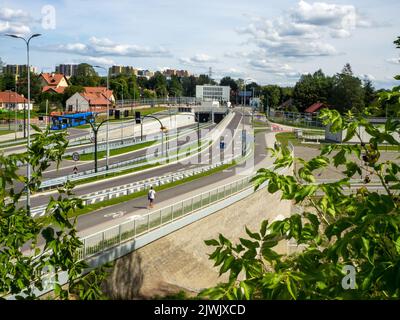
[271,41]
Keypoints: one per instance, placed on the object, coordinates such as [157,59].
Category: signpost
[75,156]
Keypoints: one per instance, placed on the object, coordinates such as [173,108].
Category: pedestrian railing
[134,187]
[126,231]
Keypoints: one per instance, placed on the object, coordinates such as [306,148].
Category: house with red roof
[10,100]
[92,99]
[315,107]
[53,82]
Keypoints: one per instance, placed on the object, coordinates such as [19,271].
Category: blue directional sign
[245,93]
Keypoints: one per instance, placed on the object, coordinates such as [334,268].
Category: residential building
[68,70]
[172,72]
[209,92]
[53,82]
[92,99]
[18,70]
[315,107]
[13,101]
[122,70]
[182,73]
[145,73]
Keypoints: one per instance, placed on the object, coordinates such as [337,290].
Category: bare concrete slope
[179,261]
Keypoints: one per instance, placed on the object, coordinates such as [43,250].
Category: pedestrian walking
[151,196]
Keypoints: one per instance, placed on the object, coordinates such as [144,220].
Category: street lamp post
[108,119]
[122,94]
[95,131]
[28,170]
[162,128]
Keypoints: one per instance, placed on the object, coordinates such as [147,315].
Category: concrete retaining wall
[179,261]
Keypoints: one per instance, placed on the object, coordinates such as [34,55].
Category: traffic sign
[75,170]
[222,145]
[75,156]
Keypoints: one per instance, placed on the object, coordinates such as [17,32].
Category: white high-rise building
[209,93]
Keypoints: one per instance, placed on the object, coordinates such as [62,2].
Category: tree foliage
[33,248]
[337,228]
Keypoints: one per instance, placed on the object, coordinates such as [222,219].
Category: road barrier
[124,165]
[134,187]
[129,230]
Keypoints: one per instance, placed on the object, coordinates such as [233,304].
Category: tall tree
[347,91]
[85,76]
[271,96]
[189,86]
[175,88]
[369,93]
[158,83]
[133,87]
[7,82]
[311,89]
[228,81]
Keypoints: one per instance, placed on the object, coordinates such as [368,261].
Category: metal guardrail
[129,230]
[116,167]
[128,142]
[127,189]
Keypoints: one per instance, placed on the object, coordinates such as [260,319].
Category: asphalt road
[118,181]
[67,165]
[104,215]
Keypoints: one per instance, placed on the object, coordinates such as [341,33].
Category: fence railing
[131,164]
[141,225]
[133,187]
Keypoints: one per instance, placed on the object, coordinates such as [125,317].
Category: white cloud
[18,29]
[369,77]
[97,47]
[393,60]
[198,60]
[96,60]
[15,21]
[7,14]
[304,30]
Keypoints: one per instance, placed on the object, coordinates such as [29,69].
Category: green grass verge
[116,174]
[285,137]
[4,132]
[257,123]
[114,152]
[108,203]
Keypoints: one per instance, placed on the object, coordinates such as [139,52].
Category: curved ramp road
[206,155]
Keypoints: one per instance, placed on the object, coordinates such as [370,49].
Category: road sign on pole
[75,156]
[75,170]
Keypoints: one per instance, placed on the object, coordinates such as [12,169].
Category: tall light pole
[28,170]
[108,118]
[122,93]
